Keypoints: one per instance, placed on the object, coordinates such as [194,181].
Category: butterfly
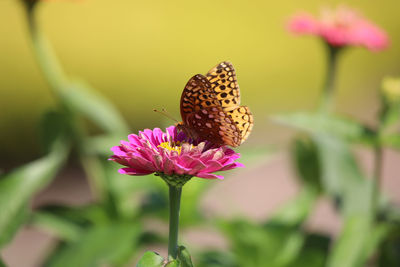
[210,108]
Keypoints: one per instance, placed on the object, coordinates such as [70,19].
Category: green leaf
[57,225]
[184,257]
[99,245]
[305,157]
[296,211]
[17,187]
[340,171]
[150,259]
[351,243]
[322,123]
[173,263]
[2,264]
[267,245]
[391,141]
[216,258]
[389,253]
[52,125]
[314,252]
[101,144]
[87,101]
[253,155]
[379,233]
[192,194]
[16,222]
[124,187]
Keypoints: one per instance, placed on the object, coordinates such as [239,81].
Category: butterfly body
[210,108]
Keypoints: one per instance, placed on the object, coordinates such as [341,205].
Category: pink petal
[117,151]
[131,171]
[209,175]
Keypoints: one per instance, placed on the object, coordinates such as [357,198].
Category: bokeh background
[140,54]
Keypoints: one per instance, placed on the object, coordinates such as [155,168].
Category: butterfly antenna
[166,114]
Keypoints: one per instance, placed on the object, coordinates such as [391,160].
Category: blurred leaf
[150,259]
[13,226]
[173,263]
[322,123]
[307,162]
[348,250]
[390,118]
[192,194]
[268,245]
[252,155]
[58,226]
[101,145]
[314,252]
[99,245]
[296,211]
[83,98]
[353,246]
[52,124]
[128,191]
[184,257]
[378,234]
[156,201]
[214,258]
[391,141]
[290,250]
[340,171]
[82,215]
[17,187]
[389,253]
[75,94]
[342,177]
[2,264]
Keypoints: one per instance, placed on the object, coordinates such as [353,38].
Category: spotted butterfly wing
[202,115]
[197,95]
[224,83]
[210,108]
[244,121]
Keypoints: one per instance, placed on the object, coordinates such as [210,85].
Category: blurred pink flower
[169,154]
[339,27]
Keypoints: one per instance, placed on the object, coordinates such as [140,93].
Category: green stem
[50,67]
[54,75]
[377,174]
[328,88]
[174,206]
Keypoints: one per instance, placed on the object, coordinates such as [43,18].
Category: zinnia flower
[341,27]
[169,154]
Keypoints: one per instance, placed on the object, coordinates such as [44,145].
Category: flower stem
[174,206]
[377,174]
[58,82]
[328,88]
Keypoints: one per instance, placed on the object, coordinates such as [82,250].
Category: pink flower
[170,154]
[341,27]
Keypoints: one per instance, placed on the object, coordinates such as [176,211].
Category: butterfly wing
[243,119]
[210,108]
[214,125]
[224,83]
[197,95]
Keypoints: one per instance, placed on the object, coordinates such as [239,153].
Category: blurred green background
[140,54]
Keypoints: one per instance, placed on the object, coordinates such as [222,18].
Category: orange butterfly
[210,108]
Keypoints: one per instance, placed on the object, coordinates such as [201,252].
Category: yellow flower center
[172,147]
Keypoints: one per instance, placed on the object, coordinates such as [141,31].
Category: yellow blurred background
[140,54]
